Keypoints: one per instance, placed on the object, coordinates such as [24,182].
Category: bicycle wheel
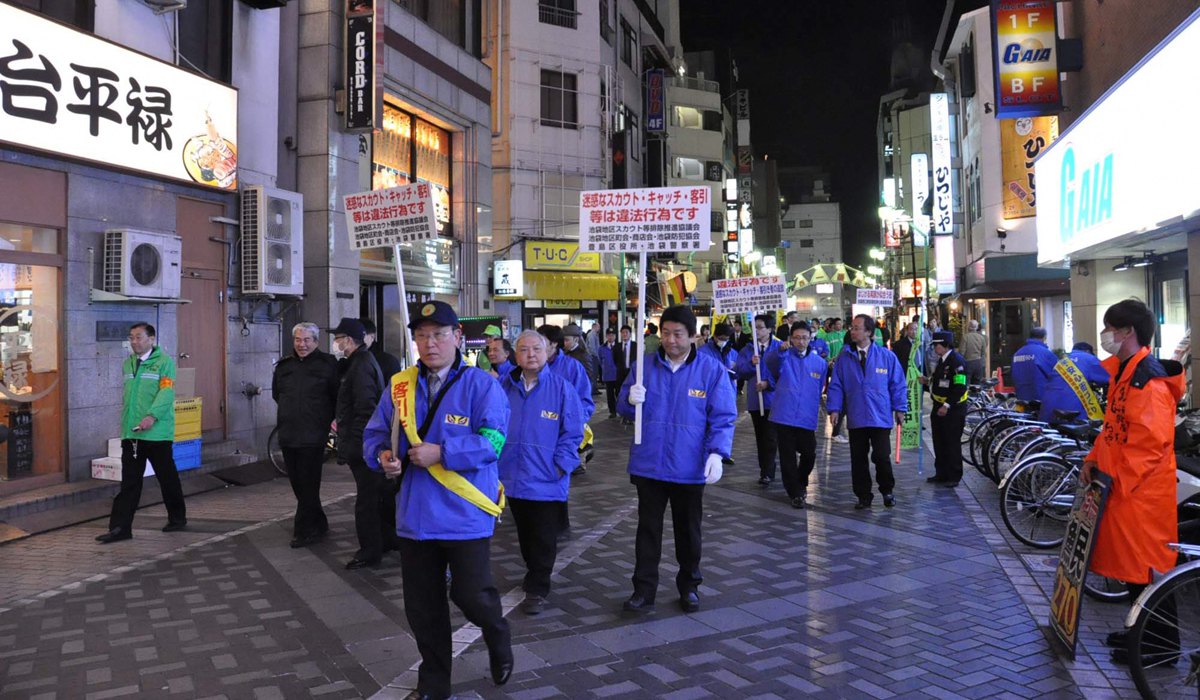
[975,416]
[1104,589]
[1164,644]
[989,432]
[980,436]
[1036,499]
[1005,454]
[995,451]
[275,452]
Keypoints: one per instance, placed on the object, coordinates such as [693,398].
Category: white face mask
[1110,345]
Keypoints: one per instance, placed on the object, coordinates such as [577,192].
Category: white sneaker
[841,438]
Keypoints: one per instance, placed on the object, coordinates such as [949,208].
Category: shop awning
[1016,289]
[583,286]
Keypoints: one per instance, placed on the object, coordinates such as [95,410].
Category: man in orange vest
[1136,449]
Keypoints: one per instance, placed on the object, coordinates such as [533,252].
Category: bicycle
[275,452]
[1165,661]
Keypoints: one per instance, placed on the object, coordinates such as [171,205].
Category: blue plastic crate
[187,454]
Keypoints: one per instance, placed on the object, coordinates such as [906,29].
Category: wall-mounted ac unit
[272,241]
[142,263]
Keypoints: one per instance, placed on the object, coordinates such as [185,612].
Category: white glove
[713,469]
[637,394]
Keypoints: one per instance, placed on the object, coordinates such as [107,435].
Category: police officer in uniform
[948,387]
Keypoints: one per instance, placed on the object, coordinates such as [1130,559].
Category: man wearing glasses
[440,428]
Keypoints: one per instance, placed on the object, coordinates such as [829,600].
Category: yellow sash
[1074,377]
[404,401]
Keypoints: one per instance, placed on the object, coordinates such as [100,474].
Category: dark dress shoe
[175,527]
[1153,659]
[502,669]
[949,484]
[638,604]
[305,540]
[934,480]
[114,535]
[357,563]
[764,480]
[798,502]
[418,695]
[533,605]
[889,501]
[862,504]
[1118,639]
[689,602]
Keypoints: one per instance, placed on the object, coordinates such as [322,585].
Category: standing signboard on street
[1074,558]
[655,220]
[751,295]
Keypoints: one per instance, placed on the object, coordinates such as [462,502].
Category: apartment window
[635,137]
[804,223]
[78,13]
[689,117]
[628,45]
[459,21]
[789,224]
[689,169]
[806,243]
[559,100]
[206,38]
[606,27]
[560,13]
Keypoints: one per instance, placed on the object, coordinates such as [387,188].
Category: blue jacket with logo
[726,357]
[798,382]
[1032,367]
[688,415]
[469,426]
[576,375]
[745,371]
[1059,394]
[608,366]
[820,347]
[545,427]
[867,395]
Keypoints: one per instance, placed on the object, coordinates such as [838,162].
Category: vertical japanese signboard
[363,52]
[942,219]
[656,109]
[1074,558]
[1021,142]
[70,93]
[920,193]
[1025,36]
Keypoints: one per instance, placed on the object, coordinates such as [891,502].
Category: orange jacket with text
[1136,448]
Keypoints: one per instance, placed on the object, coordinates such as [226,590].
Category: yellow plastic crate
[187,418]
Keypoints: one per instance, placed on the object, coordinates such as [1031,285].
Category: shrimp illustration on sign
[210,159]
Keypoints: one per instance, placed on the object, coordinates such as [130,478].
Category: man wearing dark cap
[358,392]
[948,387]
[388,363]
[440,428]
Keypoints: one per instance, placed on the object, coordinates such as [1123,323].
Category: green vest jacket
[149,391]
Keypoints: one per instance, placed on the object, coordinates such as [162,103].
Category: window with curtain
[559,100]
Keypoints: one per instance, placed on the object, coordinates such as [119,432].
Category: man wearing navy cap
[948,387]
[440,428]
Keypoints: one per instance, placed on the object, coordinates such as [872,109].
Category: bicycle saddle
[1064,416]
[1085,432]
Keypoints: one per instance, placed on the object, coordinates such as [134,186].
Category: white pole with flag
[641,360]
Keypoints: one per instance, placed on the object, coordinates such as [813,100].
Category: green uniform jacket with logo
[149,391]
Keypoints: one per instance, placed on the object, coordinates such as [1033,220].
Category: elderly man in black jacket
[305,387]
[361,386]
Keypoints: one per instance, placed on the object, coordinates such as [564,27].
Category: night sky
[816,70]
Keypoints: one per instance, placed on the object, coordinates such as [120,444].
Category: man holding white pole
[758,402]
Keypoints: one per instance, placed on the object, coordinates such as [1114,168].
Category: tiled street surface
[929,599]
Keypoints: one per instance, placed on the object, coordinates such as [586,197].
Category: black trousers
[764,439]
[537,531]
[423,566]
[134,454]
[374,511]
[872,442]
[947,442]
[611,390]
[975,371]
[794,440]
[304,465]
[687,511]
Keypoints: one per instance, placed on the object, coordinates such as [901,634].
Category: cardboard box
[185,383]
[107,468]
[114,447]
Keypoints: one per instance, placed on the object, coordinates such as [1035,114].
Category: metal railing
[695,83]
[550,14]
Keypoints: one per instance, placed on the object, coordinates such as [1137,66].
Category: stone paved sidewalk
[927,599]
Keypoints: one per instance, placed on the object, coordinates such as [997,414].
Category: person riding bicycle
[1136,450]
[1069,388]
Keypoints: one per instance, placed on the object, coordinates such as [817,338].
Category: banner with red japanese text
[381,218]
[649,220]
[749,294]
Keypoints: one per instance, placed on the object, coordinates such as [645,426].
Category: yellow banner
[1075,379]
[559,255]
[1021,141]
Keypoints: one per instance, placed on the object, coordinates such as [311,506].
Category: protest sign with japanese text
[874,297]
[649,220]
[749,294]
[381,218]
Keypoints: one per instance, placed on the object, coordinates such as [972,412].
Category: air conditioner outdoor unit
[272,241]
[142,263]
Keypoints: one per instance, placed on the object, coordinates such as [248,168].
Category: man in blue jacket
[868,384]
[720,348]
[462,416]
[574,372]
[1032,366]
[764,432]
[797,375]
[545,427]
[687,428]
[1081,362]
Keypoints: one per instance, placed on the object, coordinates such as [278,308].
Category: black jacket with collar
[305,390]
[361,386]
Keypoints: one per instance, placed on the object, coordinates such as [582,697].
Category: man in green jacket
[147,432]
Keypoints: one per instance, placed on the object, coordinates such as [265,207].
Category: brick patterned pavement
[929,599]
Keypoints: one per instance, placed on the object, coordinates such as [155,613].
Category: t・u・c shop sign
[67,92]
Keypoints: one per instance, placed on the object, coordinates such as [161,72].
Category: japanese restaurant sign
[749,294]
[1021,142]
[70,93]
[649,220]
[381,218]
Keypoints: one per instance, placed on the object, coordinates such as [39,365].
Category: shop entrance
[1010,321]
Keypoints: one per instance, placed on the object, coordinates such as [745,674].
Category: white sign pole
[405,359]
[762,403]
[641,360]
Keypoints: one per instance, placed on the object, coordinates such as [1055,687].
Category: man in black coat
[388,363]
[625,355]
[361,386]
[305,388]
